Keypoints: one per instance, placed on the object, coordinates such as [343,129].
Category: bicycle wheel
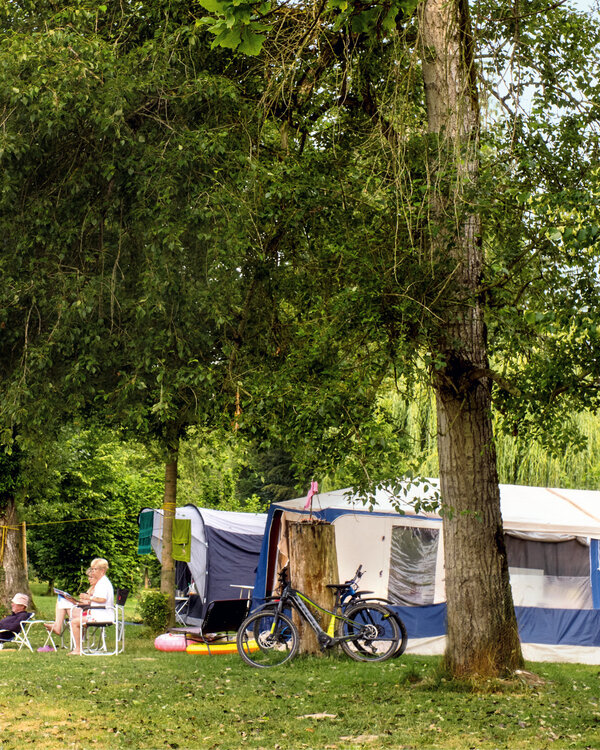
[386,603]
[403,636]
[266,639]
[401,626]
[372,634]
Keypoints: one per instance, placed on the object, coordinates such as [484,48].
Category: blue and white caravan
[552,540]
[224,553]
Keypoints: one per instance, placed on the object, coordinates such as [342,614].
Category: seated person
[11,624]
[99,597]
[64,605]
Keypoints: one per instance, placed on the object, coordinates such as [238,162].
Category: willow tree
[420,258]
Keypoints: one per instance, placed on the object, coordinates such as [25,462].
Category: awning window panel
[412,565]
[553,575]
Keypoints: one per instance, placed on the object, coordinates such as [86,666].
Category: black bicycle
[366,631]
[348,595]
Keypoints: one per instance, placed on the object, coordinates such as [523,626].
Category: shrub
[153,607]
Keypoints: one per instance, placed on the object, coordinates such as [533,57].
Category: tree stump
[313,564]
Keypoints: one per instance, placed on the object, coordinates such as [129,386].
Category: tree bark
[13,574]
[167,575]
[313,564]
[482,630]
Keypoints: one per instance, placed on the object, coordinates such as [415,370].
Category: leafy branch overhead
[245,26]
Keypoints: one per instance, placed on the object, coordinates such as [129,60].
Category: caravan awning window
[555,575]
[413,560]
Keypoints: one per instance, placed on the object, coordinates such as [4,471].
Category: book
[65,595]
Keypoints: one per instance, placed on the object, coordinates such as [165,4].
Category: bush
[153,607]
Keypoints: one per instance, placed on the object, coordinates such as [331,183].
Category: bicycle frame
[298,601]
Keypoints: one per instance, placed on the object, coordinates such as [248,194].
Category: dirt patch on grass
[50,727]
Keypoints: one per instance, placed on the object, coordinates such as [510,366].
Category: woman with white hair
[100,598]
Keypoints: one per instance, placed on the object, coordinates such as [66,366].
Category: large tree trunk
[482,630]
[13,571]
[167,575]
[313,564]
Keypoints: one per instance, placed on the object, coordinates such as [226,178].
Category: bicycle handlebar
[356,578]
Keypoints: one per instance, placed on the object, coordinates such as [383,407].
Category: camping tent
[553,551]
[224,553]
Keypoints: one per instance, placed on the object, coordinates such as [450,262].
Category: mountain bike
[366,631]
[348,595]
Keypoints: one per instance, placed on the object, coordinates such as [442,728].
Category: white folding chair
[21,637]
[94,640]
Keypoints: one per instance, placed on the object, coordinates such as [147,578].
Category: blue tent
[225,548]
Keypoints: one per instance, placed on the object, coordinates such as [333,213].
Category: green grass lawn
[148,699]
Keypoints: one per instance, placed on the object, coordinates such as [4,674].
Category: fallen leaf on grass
[317,716]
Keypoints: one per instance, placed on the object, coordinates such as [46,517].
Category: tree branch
[485,372]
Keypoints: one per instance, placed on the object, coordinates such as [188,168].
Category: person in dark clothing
[11,624]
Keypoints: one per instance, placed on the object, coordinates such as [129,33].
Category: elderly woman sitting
[95,605]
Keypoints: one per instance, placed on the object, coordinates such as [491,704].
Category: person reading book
[99,598]
[99,601]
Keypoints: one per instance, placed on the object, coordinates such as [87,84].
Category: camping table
[181,605]
[248,589]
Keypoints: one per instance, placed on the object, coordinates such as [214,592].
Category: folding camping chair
[21,637]
[93,639]
[49,644]
[223,617]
